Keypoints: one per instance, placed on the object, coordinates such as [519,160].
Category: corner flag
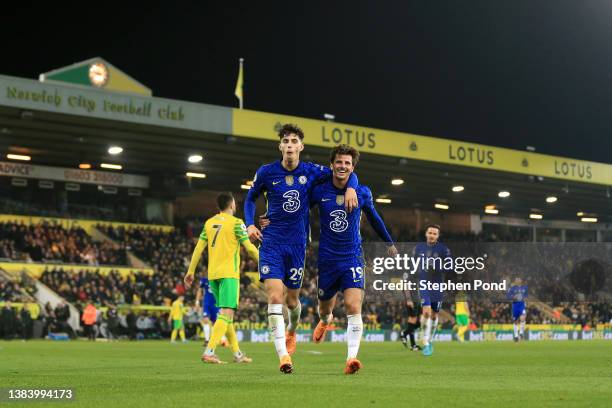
[239,83]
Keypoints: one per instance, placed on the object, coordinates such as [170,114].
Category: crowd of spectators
[54,244]
[169,254]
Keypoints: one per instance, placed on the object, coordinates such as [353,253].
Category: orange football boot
[212,359]
[319,332]
[352,366]
[286,366]
[290,342]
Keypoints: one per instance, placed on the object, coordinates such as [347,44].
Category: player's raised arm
[195,258]
[249,205]
[323,173]
[376,222]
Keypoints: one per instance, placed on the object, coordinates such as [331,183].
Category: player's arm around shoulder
[321,174]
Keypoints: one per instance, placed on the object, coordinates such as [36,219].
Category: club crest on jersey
[302,179]
[265,270]
[289,180]
[339,199]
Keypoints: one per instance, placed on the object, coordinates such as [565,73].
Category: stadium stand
[128,295]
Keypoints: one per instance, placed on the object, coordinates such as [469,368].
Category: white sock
[522,330]
[354,331]
[206,329]
[327,319]
[434,327]
[276,326]
[515,330]
[427,333]
[294,317]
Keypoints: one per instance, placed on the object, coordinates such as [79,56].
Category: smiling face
[342,167]
[291,146]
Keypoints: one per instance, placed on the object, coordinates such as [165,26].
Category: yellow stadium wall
[87,225]
[36,269]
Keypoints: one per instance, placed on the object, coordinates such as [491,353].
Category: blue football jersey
[287,194]
[432,270]
[518,293]
[340,235]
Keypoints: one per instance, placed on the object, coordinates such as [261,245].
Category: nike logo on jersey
[275,183]
[325,199]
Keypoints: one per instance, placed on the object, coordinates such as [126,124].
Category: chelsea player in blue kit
[432,269]
[209,309]
[518,294]
[340,261]
[286,185]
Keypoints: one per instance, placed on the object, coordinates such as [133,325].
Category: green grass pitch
[155,373]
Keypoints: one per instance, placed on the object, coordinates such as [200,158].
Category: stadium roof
[62,125]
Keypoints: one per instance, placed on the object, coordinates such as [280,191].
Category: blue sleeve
[511,293]
[254,192]
[323,173]
[353,182]
[318,173]
[374,219]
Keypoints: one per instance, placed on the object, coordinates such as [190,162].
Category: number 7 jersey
[224,234]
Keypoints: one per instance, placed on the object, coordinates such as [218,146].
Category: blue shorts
[284,262]
[431,298]
[338,276]
[518,309]
[210,310]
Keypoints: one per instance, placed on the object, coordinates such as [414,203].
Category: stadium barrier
[378,336]
[87,225]
[35,270]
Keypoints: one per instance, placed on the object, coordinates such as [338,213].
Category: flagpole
[242,83]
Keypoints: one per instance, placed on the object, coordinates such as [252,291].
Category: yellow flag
[238,90]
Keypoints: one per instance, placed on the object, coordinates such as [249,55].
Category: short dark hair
[344,149]
[436,226]
[289,128]
[223,200]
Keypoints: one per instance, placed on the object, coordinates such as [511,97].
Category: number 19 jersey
[224,234]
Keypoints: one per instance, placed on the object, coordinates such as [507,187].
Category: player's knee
[275,297]
[292,302]
[353,308]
